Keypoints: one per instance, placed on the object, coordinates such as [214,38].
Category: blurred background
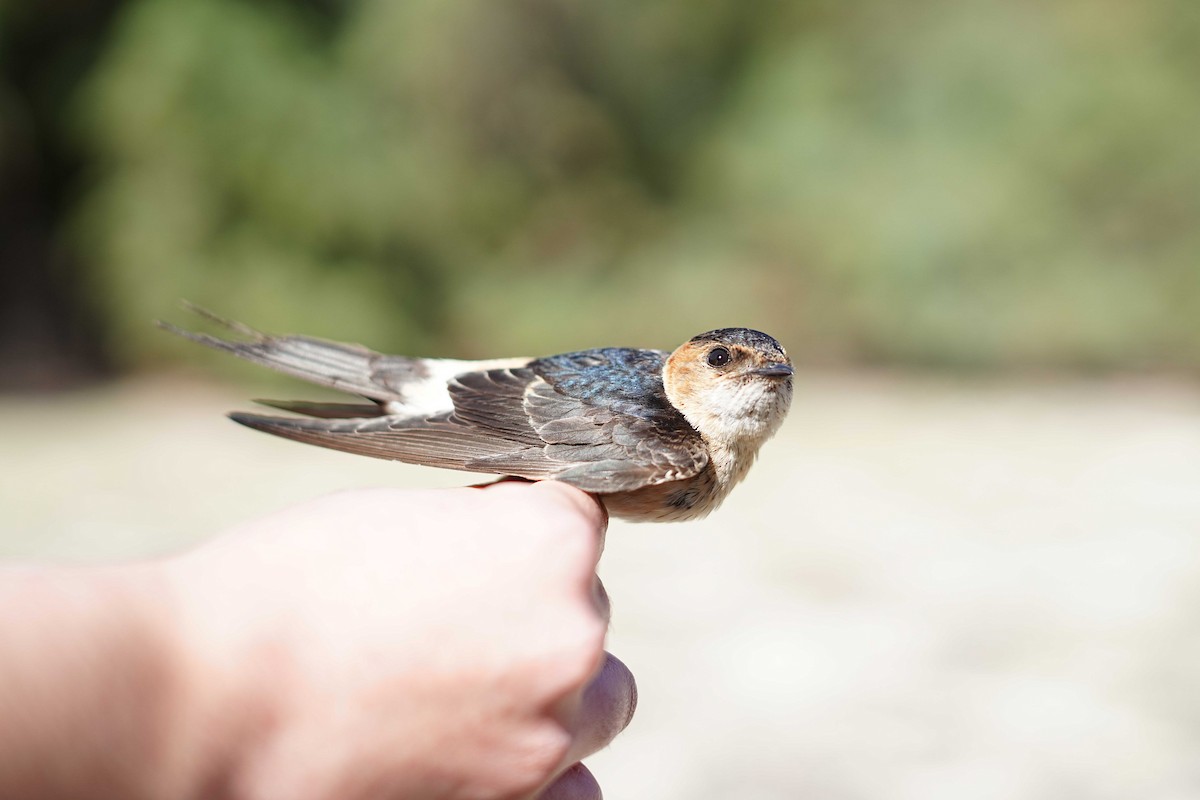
[973,225]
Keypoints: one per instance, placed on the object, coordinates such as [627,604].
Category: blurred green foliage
[981,184]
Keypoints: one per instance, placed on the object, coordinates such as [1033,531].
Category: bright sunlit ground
[925,589]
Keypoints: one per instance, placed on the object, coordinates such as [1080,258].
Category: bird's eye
[719,357]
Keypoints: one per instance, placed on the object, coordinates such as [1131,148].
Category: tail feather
[348,368]
[325,410]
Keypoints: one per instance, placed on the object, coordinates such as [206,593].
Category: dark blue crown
[745,337]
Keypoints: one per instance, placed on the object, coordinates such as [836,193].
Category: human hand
[409,644]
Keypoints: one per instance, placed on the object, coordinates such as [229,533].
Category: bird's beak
[774,371]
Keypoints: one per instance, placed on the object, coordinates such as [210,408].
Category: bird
[658,436]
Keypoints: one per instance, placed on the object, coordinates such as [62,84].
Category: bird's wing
[598,420]
[601,417]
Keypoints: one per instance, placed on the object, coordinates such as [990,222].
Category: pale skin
[442,644]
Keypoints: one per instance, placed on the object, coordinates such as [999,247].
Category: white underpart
[429,395]
[735,418]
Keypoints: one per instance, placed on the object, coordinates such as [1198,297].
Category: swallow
[658,436]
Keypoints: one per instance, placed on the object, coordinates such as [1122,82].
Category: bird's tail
[346,367]
[324,410]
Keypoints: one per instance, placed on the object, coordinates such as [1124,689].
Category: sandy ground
[925,589]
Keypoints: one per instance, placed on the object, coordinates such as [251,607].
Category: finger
[576,783]
[587,504]
[606,709]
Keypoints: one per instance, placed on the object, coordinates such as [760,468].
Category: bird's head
[734,385]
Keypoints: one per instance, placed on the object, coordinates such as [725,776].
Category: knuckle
[575,505]
[571,556]
[537,756]
[572,659]
[584,652]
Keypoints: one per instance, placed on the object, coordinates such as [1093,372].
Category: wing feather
[495,428]
[598,419]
